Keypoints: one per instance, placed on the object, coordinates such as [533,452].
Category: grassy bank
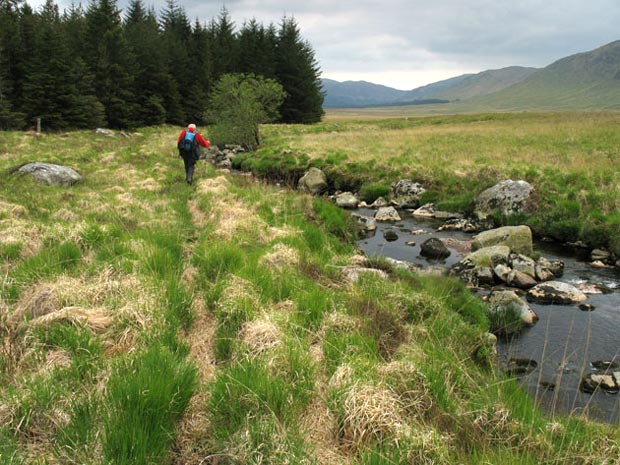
[146,321]
[571,159]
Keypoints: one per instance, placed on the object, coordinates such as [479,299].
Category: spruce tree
[257,49]
[109,57]
[298,72]
[150,78]
[225,54]
[176,35]
[8,31]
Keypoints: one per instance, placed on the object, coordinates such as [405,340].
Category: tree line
[99,66]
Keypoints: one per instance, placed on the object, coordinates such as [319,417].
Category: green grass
[268,352]
[145,398]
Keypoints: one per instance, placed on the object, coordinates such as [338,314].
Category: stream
[563,343]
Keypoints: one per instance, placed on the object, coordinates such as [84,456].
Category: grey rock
[507,198]
[502,271]
[523,264]
[520,366]
[410,243]
[461,224]
[509,314]
[387,214]
[517,238]
[434,248]
[600,255]
[488,256]
[592,382]
[313,182]
[354,273]
[48,173]
[390,235]
[105,132]
[367,222]
[605,365]
[521,280]
[406,193]
[346,200]
[555,292]
[548,269]
[378,203]
[587,307]
[425,211]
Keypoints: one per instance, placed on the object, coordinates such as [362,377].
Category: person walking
[188,143]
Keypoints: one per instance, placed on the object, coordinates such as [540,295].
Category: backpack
[187,145]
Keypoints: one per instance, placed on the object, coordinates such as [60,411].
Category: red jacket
[199,139]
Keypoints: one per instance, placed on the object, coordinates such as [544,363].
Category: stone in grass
[49,173]
[313,182]
[346,200]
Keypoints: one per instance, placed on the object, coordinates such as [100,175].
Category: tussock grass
[146,321]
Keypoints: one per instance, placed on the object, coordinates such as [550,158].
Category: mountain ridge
[588,79]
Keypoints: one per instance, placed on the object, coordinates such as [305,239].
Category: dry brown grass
[98,320]
[280,258]
[371,413]
[320,429]
[12,210]
[260,336]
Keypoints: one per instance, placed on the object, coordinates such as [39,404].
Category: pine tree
[298,72]
[8,30]
[150,78]
[176,35]
[225,53]
[109,57]
[257,49]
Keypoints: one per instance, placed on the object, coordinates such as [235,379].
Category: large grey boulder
[555,292]
[488,257]
[346,200]
[517,238]
[49,173]
[507,198]
[508,314]
[406,193]
[313,182]
[434,248]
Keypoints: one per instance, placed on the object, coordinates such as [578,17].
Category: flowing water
[564,342]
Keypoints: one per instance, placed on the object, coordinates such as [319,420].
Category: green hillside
[588,80]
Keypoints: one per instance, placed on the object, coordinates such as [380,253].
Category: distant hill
[589,80]
[361,93]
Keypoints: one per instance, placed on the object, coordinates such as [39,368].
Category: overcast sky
[409,43]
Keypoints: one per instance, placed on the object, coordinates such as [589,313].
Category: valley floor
[146,321]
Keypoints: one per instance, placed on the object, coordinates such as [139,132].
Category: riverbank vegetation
[146,321]
[570,158]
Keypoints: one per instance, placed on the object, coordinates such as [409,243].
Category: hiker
[188,143]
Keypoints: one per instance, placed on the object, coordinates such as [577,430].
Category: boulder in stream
[508,314]
[555,292]
[387,214]
[517,238]
[368,223]
[609,382]
[434,248]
